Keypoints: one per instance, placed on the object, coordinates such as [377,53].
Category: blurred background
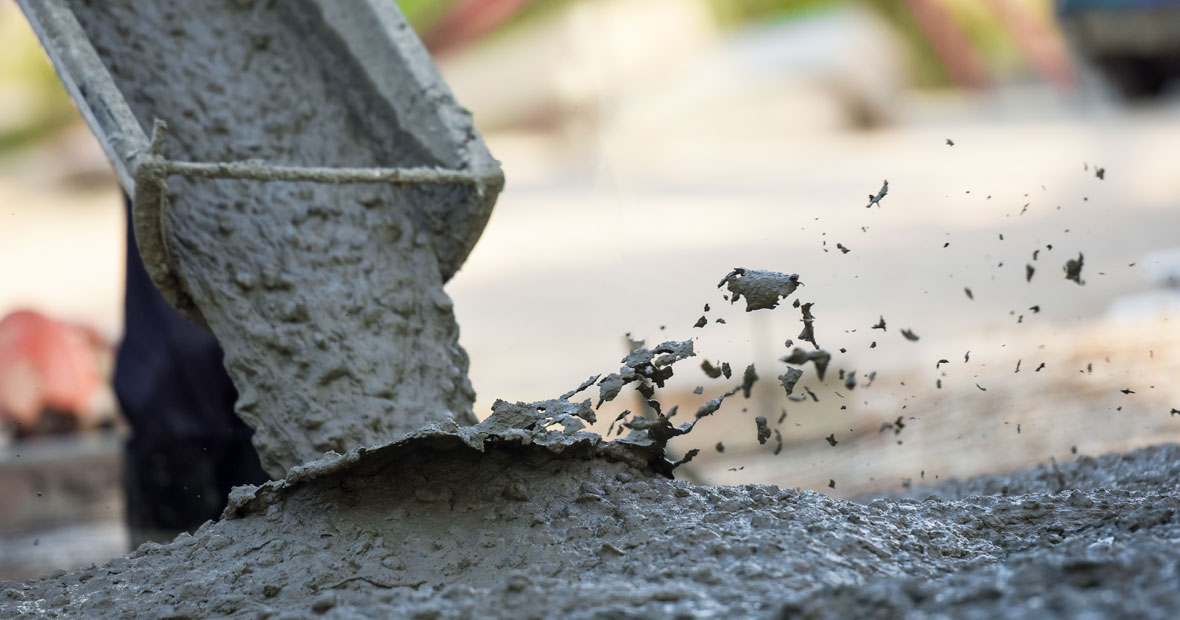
[651,146]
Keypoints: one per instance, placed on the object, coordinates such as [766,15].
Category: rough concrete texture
[340,336]
[538,522]
[762,289]
[819,358]
[1104,545]
[328,299]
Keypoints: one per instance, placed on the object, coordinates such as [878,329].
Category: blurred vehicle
[1135,44]
[52,376]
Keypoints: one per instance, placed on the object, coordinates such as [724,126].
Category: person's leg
[188,447]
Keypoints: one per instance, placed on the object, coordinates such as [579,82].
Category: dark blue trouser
[187,447]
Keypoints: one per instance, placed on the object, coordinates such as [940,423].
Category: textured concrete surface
[486,522]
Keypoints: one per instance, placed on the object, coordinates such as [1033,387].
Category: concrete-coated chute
[303,184]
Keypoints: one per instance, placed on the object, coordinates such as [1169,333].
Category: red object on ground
[47,364]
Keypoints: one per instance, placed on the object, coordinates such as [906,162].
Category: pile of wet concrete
[329,302]
[537,522]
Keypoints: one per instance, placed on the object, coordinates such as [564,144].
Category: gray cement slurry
[762,289]
[328,299]
[329,302]
[547,521]
[528,515]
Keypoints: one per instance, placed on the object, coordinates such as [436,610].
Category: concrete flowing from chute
[292,198]
[529,515]
[330,304]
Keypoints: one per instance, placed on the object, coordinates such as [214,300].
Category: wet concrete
[457,523]
[328,299]
[526,515]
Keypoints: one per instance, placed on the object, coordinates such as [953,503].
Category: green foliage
[987,34]
[924,66]
[979,23]
[735,12]
[925,69]
[422,14]
[25,69]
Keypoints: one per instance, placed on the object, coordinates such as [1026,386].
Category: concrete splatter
[876,199]
[1073,269]
[762,289]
